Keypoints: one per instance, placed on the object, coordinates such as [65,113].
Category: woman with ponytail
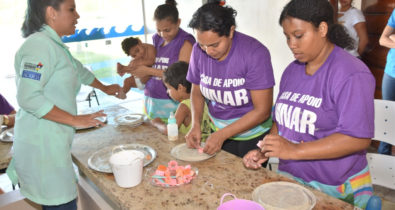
[232,73]
[324,113]
[172,44]
[48,79]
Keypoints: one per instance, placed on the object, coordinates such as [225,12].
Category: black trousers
[240,148]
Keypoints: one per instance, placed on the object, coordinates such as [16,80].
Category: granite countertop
[223,173]
[5,152]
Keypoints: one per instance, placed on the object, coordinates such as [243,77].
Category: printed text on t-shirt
[161,63]
[294,117]
[232,97]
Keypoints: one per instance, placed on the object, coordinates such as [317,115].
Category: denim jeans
[388,91]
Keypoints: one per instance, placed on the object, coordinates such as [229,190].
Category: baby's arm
[160,125]
[183,115]
[147,60]
[151,55]
[121,69]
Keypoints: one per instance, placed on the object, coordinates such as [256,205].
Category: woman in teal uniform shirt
[48,79]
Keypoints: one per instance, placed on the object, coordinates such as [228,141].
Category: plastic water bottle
[374,203]
[139,84]
[172,128]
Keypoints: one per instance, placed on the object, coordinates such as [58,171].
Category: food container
[238,204]
[127,166]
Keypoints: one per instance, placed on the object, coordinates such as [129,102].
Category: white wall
[259,19]
[185,8]
[357,3]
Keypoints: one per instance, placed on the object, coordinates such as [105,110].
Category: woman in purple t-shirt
[233,74]
[324,112]
[172,44]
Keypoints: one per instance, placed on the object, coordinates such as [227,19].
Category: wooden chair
[382,167]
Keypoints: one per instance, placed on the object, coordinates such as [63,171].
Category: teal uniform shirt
[46,76]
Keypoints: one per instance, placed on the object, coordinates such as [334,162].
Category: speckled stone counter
[5,152]
[218,175]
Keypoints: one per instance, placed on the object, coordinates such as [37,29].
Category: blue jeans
[72,205]
[388,91]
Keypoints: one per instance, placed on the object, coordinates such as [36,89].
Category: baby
[179,89]
[142,54]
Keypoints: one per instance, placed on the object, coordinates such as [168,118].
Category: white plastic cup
[127,167]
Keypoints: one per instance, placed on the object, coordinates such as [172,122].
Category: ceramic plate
[284,196]
[99,160]
[7,135]
[182,152]
[129,119]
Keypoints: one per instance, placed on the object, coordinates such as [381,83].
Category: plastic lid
[172,119]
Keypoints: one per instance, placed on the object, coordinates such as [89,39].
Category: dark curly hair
[167,11]
[177,74]
[129,43]
[35,15]
[315,12]
[214,17]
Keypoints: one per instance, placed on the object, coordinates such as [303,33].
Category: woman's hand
[193,137]
[88,120]
[277,146]
[254,159]
[214,143]
[114,90]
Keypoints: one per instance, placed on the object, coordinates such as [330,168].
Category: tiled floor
[387,196]
[5,183]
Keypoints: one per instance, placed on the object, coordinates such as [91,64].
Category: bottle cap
[171,119]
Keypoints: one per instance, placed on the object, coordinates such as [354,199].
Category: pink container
[237,204]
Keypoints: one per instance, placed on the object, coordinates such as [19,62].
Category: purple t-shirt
[5,107]
[226,83]
[338,98]
[165,56]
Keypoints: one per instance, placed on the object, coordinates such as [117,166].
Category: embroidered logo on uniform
[31,75]
[33,67]
[29,66]
[39,66]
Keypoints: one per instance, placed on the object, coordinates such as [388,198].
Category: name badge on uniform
[31,75]
[31,71]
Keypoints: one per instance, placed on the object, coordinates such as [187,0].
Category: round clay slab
[182,152]
[129,119]
[284,196]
